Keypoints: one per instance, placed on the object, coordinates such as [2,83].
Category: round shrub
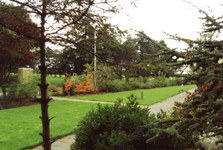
[112,127]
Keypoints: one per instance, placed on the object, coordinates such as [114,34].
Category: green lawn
[20,127]
[150,96]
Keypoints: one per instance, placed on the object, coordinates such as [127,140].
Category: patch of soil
[87,94]
[81,94]
[8,104]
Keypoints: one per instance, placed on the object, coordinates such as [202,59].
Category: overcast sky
[171,16]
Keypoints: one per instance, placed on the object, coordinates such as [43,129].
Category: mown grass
[150,96]
[20,127]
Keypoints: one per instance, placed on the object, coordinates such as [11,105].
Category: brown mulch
[87,94]
[4,104]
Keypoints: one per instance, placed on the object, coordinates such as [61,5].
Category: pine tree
[201,112]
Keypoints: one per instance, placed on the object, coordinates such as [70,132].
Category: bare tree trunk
[44,100]
[4,91]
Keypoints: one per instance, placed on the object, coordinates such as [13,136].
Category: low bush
[128,127]
[140,83]
[26,89]
[20,93]
[77,84]
[56,81]
[84,84]
[112,127]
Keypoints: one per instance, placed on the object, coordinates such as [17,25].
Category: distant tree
[151,64]
[15,49]
[145,46]
[82,51]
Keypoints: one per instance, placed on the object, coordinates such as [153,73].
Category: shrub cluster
[140,83]
[111,127]
[77,84]
[84,84]
[125,127]
[20,93]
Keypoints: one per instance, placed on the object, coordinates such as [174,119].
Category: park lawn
[20,127]
[150,96]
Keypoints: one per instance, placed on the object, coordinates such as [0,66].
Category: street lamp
[95,83]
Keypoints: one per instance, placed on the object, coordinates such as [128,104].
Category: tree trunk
[4,91]
[44,100]
[107,84]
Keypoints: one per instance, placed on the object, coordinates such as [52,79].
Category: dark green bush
[112,127]
[128,127]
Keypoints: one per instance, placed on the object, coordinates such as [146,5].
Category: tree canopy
[15,49]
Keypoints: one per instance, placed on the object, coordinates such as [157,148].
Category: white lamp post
[95,83]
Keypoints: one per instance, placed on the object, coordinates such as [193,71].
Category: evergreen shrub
[167,139]
[112,127]
[123,127]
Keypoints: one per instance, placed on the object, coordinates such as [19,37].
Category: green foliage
[124,127]
[162,133]
[56,81]
[203,111]
[142,83]
[112,127]
[20,93]
[22,90]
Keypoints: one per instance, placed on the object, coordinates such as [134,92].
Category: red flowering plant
[86,86]
[68,84]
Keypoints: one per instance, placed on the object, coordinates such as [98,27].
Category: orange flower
[85,86]
[218,114]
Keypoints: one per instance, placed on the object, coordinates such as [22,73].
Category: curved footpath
[166,105]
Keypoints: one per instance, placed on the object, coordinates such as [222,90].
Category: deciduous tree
[15,49]
[56,17]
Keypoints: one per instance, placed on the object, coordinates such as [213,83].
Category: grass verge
[20,127]
[150,96]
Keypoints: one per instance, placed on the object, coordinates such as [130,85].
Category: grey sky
[171,16]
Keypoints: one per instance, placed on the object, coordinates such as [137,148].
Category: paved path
[166,105]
